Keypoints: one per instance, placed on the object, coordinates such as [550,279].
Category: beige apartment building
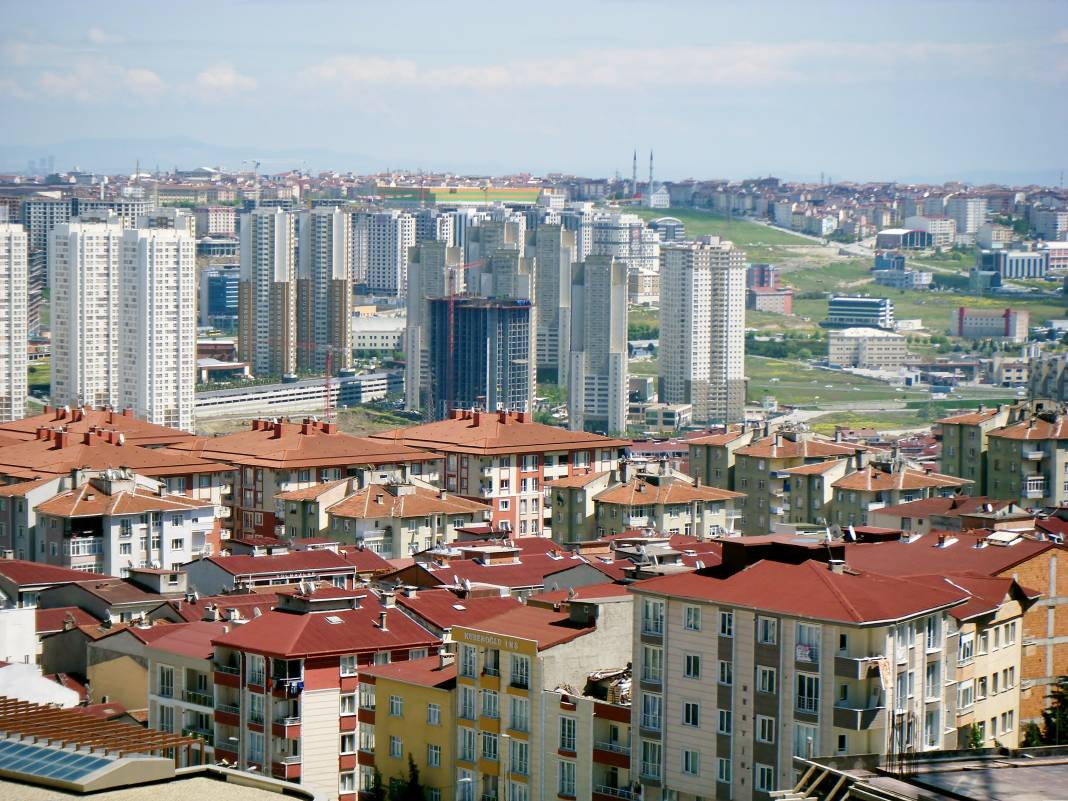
[965,445]
[866,348]
[1028,460]
[883,484]
[785,656]
[712,457]
[812,491]
[666,504]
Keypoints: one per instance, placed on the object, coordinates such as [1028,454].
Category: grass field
[880,421]
[742,233]
[798,384]
[40,376]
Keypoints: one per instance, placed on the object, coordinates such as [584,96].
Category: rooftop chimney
[277,430]
[837,566]
[382,621]
[444,658]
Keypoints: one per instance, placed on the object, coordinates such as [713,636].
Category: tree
[1032,735]
[975,737]
[378,790]
[1055,716]
[409,789]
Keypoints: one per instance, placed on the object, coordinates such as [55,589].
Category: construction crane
[451,294]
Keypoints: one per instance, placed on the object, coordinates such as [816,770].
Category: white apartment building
[389,236]
[969,212]
[702,328]
[554,252]
[83,272]
[14,333]
[434,269]
[41,214]
[216,220]
[128,210]
[627,238]
[156,304]
[943,230]
[597,377]
[324,289]
[267,298]
[866,348]
[169,217]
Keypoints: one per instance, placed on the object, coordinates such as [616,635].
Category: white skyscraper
[627,238]
[597,374]
[157,313]
[553,249]
[14,282]
[324,289]
[83,272]
[702,328]
[267,299]
[389,236]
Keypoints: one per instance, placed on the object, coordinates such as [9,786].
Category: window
[980,688]
[467,744]
[348,704]
[490,704]
[177,544]
[808,643]
[396,747]
[348,665]
[1010,633]
[966,694]
[433,756]
[566,786]
[726,623]
[166,681]
[567,733]
[765,729]
[692,669]
[468,661]
[765,778]
[491,664]
[396,706]
[519,752]
[367,738]
[1007,721]
[651,759]
[433,714]
[966,650]
[932,680]
[726,673]
[724,726]
[346,782]
[255,747]
[348,743]
[933,633]
[651,709]
[125,549]
[520,672]
[765,679]
[767,630]
[691,714]
[806,740]
[367,696]
[691,762]
[489,745]
[520,713]
[808,693]
[652,663]
[723,770]
[931,728]
[652,616]
[467,703]
[692,618]
[256,669]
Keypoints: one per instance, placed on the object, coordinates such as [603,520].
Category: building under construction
[489,364]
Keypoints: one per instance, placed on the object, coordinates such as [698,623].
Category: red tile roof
[544,626]
[576,481]
[875,479]
[817,469]
[190,639]
[288,634]
[20,488]
[922,555]
[987,594]
[718,439]
[530,571]
[385,500]
[488,433]
[312,492]
[592,592]
[812,590]
[969,418]
[290,446]
[1034,429]
[135,430]
[767,448]
[444,609]
[364,560]
[944,507]
[89,500]
[293,562]
[638,492]
[49,620]
[426,672]
[29,574]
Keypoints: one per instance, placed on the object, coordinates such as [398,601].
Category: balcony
[1033,455]
[859,719]
[288,760]
[651,722]
[856,667]
[485,492]
[615,748]
[229,709]
[207,736]
[781,509]
[779,474]
[613,792]
[875,505]
[198,698]
[806,703]
[230,670]
[807,653]
[1035,488]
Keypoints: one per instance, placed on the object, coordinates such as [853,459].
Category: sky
[910,91]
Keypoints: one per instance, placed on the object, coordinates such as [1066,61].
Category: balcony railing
[1033,455]
[806,653]
[807,703]
[290,721]
[232,670]
[491,671]
[205,735]
[615,748]
[1035,489]
[653,626]
[615,792]
[651,722]
[289,760]
[232,709]
[651,770]
[194,697]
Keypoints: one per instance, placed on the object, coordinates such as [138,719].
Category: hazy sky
[904,90]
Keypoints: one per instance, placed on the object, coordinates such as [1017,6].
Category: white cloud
[92,80]
[1061,37]
[102,38]
[222,80]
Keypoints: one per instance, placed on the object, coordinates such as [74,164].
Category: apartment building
[554,251]
[287,687]
[968,211]
[784,652]
[626,238]
[267,299]
[83,267]
[14,324]
[1009,324]
[965,447]
[597,373]
[666,504]
[215,220]
[156,300]
[434,271]
[1050,224]
[811,488]
[181,693]
[398,520]
[711,459]
[943,230]
[878,485]
[274,457]
[760,472]
[41,214]
[702,329]
[324,290]
[407,710]
[116,521]
[569,501]
[507,459]
[957,513]
[507,668]
[866,348]
[390,236]
[1028,460]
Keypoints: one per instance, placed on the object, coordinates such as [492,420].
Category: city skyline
[730,93]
